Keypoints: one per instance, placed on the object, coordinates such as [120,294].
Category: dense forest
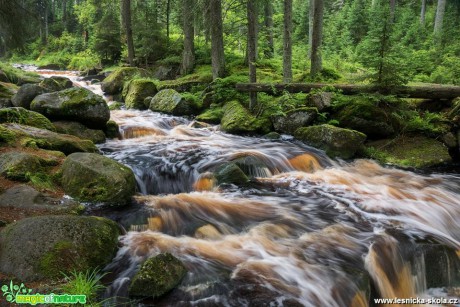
[357,40]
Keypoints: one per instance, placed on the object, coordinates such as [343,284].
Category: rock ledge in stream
[47,246]
[157,276]
[77,104]
[95,178]
[337,142]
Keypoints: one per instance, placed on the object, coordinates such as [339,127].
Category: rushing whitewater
[306,230]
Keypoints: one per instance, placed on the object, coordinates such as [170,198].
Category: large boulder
[80,130]
[113,84]
[47,246]
[7,90]
[136,91]
[237,119]
[56,83]
[95,178]
[367,118]
[294,120]
[337,142]
[26,94]
[213,115]
[78,104]
[157,276]
[171,102]
[40,138]
[17,165]
[25,117]
[409,151]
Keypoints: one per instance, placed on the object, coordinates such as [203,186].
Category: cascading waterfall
[306,231]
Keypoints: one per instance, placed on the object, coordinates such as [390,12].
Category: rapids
[306,231]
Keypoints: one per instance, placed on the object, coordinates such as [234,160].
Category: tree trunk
[217,39]
[287,42]
[252,41]
[126,20]
[188,55]
[392,10]
[268,22]
[168,13]
[64,13]
[317,39]
[310,26]
[425,92]
[423,13]
[439,18]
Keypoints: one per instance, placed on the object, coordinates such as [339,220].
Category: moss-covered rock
[25,117]
[136,91]
[95,178]
[7,90]
[157,276]
[27,136]
[80,130]
[5,103]
[17,165]
[412,151]
[213,115]
[76,104]
[368,118]
[56,83]
[171,102]
[47,246]
[26,94]
[237,119]
[230,173]
[337,142]
[294,120]
[112,131]
[113,84]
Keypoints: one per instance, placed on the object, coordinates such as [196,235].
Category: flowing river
[306,231]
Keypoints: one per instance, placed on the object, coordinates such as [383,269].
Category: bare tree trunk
[310,26]
[252,42]
[287,42]
[188,55]
[64,13]
[317,39]
[392,10]
[439,18]
[422,13]
[46,21]
[268,22]
[126,20]
[217,39]
[168,13]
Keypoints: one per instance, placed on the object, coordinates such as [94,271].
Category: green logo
[20,294]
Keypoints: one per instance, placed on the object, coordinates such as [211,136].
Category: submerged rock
[337,142]
[25,117]
[230,173]
[157,276]
[47,246]
[76,104]
[136,91]
[237,119]
[26,94]
[171,102]
[80,130]
[113,84]
[95,178]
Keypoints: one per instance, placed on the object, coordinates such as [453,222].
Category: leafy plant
[84,283]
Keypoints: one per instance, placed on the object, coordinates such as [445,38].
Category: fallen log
[425,91]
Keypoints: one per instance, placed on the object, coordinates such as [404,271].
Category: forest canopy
[359,40]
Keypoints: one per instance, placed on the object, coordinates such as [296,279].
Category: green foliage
[85,283]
